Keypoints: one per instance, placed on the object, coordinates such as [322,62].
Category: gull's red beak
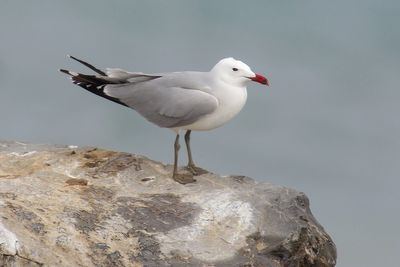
[260,79]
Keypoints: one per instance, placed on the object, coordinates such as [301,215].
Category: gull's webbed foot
[196,171]
[183,178]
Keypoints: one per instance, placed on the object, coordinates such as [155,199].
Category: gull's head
[236,72]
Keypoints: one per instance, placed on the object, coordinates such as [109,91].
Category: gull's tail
[92,83]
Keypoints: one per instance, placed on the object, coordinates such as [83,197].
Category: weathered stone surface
[69,206]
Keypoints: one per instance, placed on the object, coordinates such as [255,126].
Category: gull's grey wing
[165,106]
[168,99]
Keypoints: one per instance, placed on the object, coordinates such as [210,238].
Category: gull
[181,101]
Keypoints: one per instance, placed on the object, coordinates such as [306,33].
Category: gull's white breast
[230,102]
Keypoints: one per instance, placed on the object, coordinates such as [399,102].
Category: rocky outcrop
[69,206]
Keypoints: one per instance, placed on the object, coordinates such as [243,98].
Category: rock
[69,206]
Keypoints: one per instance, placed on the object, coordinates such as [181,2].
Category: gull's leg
[180,178]
[177,146]
[189,151]
[191,166]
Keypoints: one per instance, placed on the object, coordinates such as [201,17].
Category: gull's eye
[234,69]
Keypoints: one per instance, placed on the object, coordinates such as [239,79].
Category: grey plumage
[167,100]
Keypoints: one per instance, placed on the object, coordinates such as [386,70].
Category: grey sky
[328,124]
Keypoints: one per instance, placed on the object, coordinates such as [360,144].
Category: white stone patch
[68,169]
[8,241]
[23,154]
[72,147]
[218,231]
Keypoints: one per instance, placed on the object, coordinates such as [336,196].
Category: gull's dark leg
[191,166]
[178,177]
[177,146]
[189,151]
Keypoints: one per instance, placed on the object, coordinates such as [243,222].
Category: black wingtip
[74,58]
[64,71]
[88,65]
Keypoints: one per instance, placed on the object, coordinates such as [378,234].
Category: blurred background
[328,125]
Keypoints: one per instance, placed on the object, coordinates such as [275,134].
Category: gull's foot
[196,170]
[183,178]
